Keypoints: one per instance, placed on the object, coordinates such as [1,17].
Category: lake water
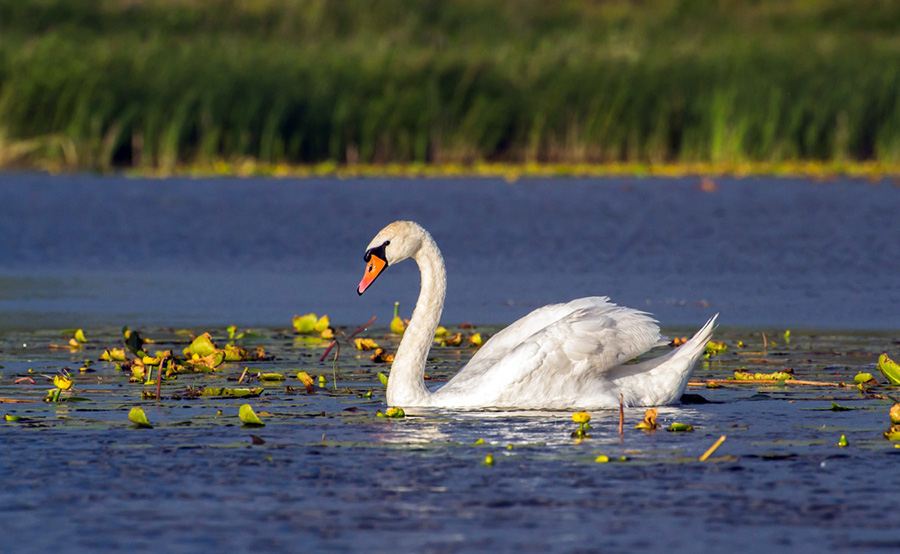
[85,250]
[820,259]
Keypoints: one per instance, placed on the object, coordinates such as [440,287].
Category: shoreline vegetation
[494,87]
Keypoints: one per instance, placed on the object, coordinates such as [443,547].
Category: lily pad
[889,369]
[202,346]
[139,418]
[305,323]
[680,428]
[225,392]
[249,417]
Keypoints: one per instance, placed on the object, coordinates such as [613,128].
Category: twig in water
[621,417]
[712,448]
[244,374]
[703,382]
[348,338]
[765,343]
[334,365]
[159,376]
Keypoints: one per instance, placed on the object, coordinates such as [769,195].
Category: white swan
[572,355]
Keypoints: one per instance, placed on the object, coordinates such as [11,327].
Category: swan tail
[668,374]
[685,357]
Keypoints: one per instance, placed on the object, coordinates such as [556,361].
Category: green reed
[161,83]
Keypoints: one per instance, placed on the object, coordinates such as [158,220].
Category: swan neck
[406,386]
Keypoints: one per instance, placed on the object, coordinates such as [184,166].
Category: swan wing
[501,344]
[568,355]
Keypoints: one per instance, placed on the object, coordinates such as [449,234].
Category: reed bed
[160,84]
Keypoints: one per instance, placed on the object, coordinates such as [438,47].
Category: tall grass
[157,83]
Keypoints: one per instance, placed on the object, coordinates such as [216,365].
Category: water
[331,476]
[793,253]
[158,255]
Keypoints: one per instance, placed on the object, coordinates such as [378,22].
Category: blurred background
[161,84]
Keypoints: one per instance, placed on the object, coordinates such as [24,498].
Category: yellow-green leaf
[716,347]
[201,346]
[12,418]
[139,418]
[249,417]
[889,369]
[489,459]
[843,441]
[305,323]
[895,414]
[679,428]
[383,378]
[365,344]
[397,325]
[113,355]
[79,336]
[863,378]
[235,353]
[307,381]
[321,324]
[223,392]
[271,377]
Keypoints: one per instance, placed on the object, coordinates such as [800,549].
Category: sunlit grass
[303,87]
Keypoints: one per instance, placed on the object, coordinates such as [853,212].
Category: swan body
[571,355]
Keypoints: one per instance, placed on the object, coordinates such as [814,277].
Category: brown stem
[621,417]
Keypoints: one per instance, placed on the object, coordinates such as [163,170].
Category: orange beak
[373,269]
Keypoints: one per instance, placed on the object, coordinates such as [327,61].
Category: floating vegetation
[291,380]
[889,369]
[774,376]
[583,420]
[139,418]
[393,413]
[649,421]
[398,326]
[676,427]
[248,417]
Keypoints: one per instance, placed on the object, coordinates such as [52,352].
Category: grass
[165,85]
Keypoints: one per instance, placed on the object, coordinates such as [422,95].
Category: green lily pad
[680,428]
[889,369]
[271,377]
[249,417]
[139,418]
[863,378]
[224,392]
[202,346]
[305,323]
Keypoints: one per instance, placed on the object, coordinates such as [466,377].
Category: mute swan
[571,355]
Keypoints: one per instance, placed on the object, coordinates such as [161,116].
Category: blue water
[81,250]
[767,254]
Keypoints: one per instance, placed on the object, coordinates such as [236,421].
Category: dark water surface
[331,476]
[768,254]
[89,250]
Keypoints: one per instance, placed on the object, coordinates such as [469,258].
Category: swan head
[393,244]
